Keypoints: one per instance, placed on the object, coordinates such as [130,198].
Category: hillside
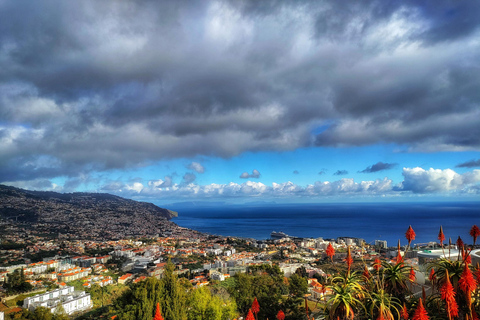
[83,215]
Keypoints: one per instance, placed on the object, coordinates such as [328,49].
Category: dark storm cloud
[94,86]
[379,166]
[469,164]
[340,173]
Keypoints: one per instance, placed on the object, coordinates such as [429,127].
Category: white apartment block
[71,300]
[217,276]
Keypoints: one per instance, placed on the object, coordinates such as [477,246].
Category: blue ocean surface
[370,221]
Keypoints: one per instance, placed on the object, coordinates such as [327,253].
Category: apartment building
[71,300]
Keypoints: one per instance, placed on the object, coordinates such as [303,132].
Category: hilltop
[83,215]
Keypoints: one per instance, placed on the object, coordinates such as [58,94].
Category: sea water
[369,221]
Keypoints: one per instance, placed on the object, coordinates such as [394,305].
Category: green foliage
[16,282]
[380,302]
[9,245]
[454,268]
[297,285]
[40,255]
[347,293]
[115,263]
[202,305]
[42,313]
[264,282]
[172,296]
[60,313]
[138,303]
[395,279]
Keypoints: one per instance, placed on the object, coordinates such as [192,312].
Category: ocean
[370,221]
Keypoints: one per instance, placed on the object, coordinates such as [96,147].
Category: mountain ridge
[70,213]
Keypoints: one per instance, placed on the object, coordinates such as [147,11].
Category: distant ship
[278,235]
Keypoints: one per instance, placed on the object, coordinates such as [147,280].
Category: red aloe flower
[158,315]
[404,312]
[377,264]
[460,243]
[466,256]
[448,294]
[280,315]
[411,276]
[330,251]
[441,236]
[410,234]
[467,283]
[349,258]
[380,315]
[432,275]
[366,274]
[399,255]
[255,306]
[250,315]
[475,232]
[420,313]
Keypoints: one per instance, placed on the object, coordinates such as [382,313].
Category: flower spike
[420,313]
[474,232]
[330,251]
[441,236]
[158,315]
[410,235]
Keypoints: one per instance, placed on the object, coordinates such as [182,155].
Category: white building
[381,244]
[70,300]
[428,256]
[217,276]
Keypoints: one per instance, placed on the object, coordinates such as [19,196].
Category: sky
[242,100]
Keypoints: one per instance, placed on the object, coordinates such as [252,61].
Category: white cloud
[416,181]
[419,180]
[257,189]
[136,186]
[166,183]
[196,167]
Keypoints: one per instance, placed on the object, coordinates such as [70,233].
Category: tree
[16,282]
[42,313]
[172,296]
[60,313]
[297,286]
[138,303]
[203,305]
[265,282]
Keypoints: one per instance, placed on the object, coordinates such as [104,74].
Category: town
[62,272]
